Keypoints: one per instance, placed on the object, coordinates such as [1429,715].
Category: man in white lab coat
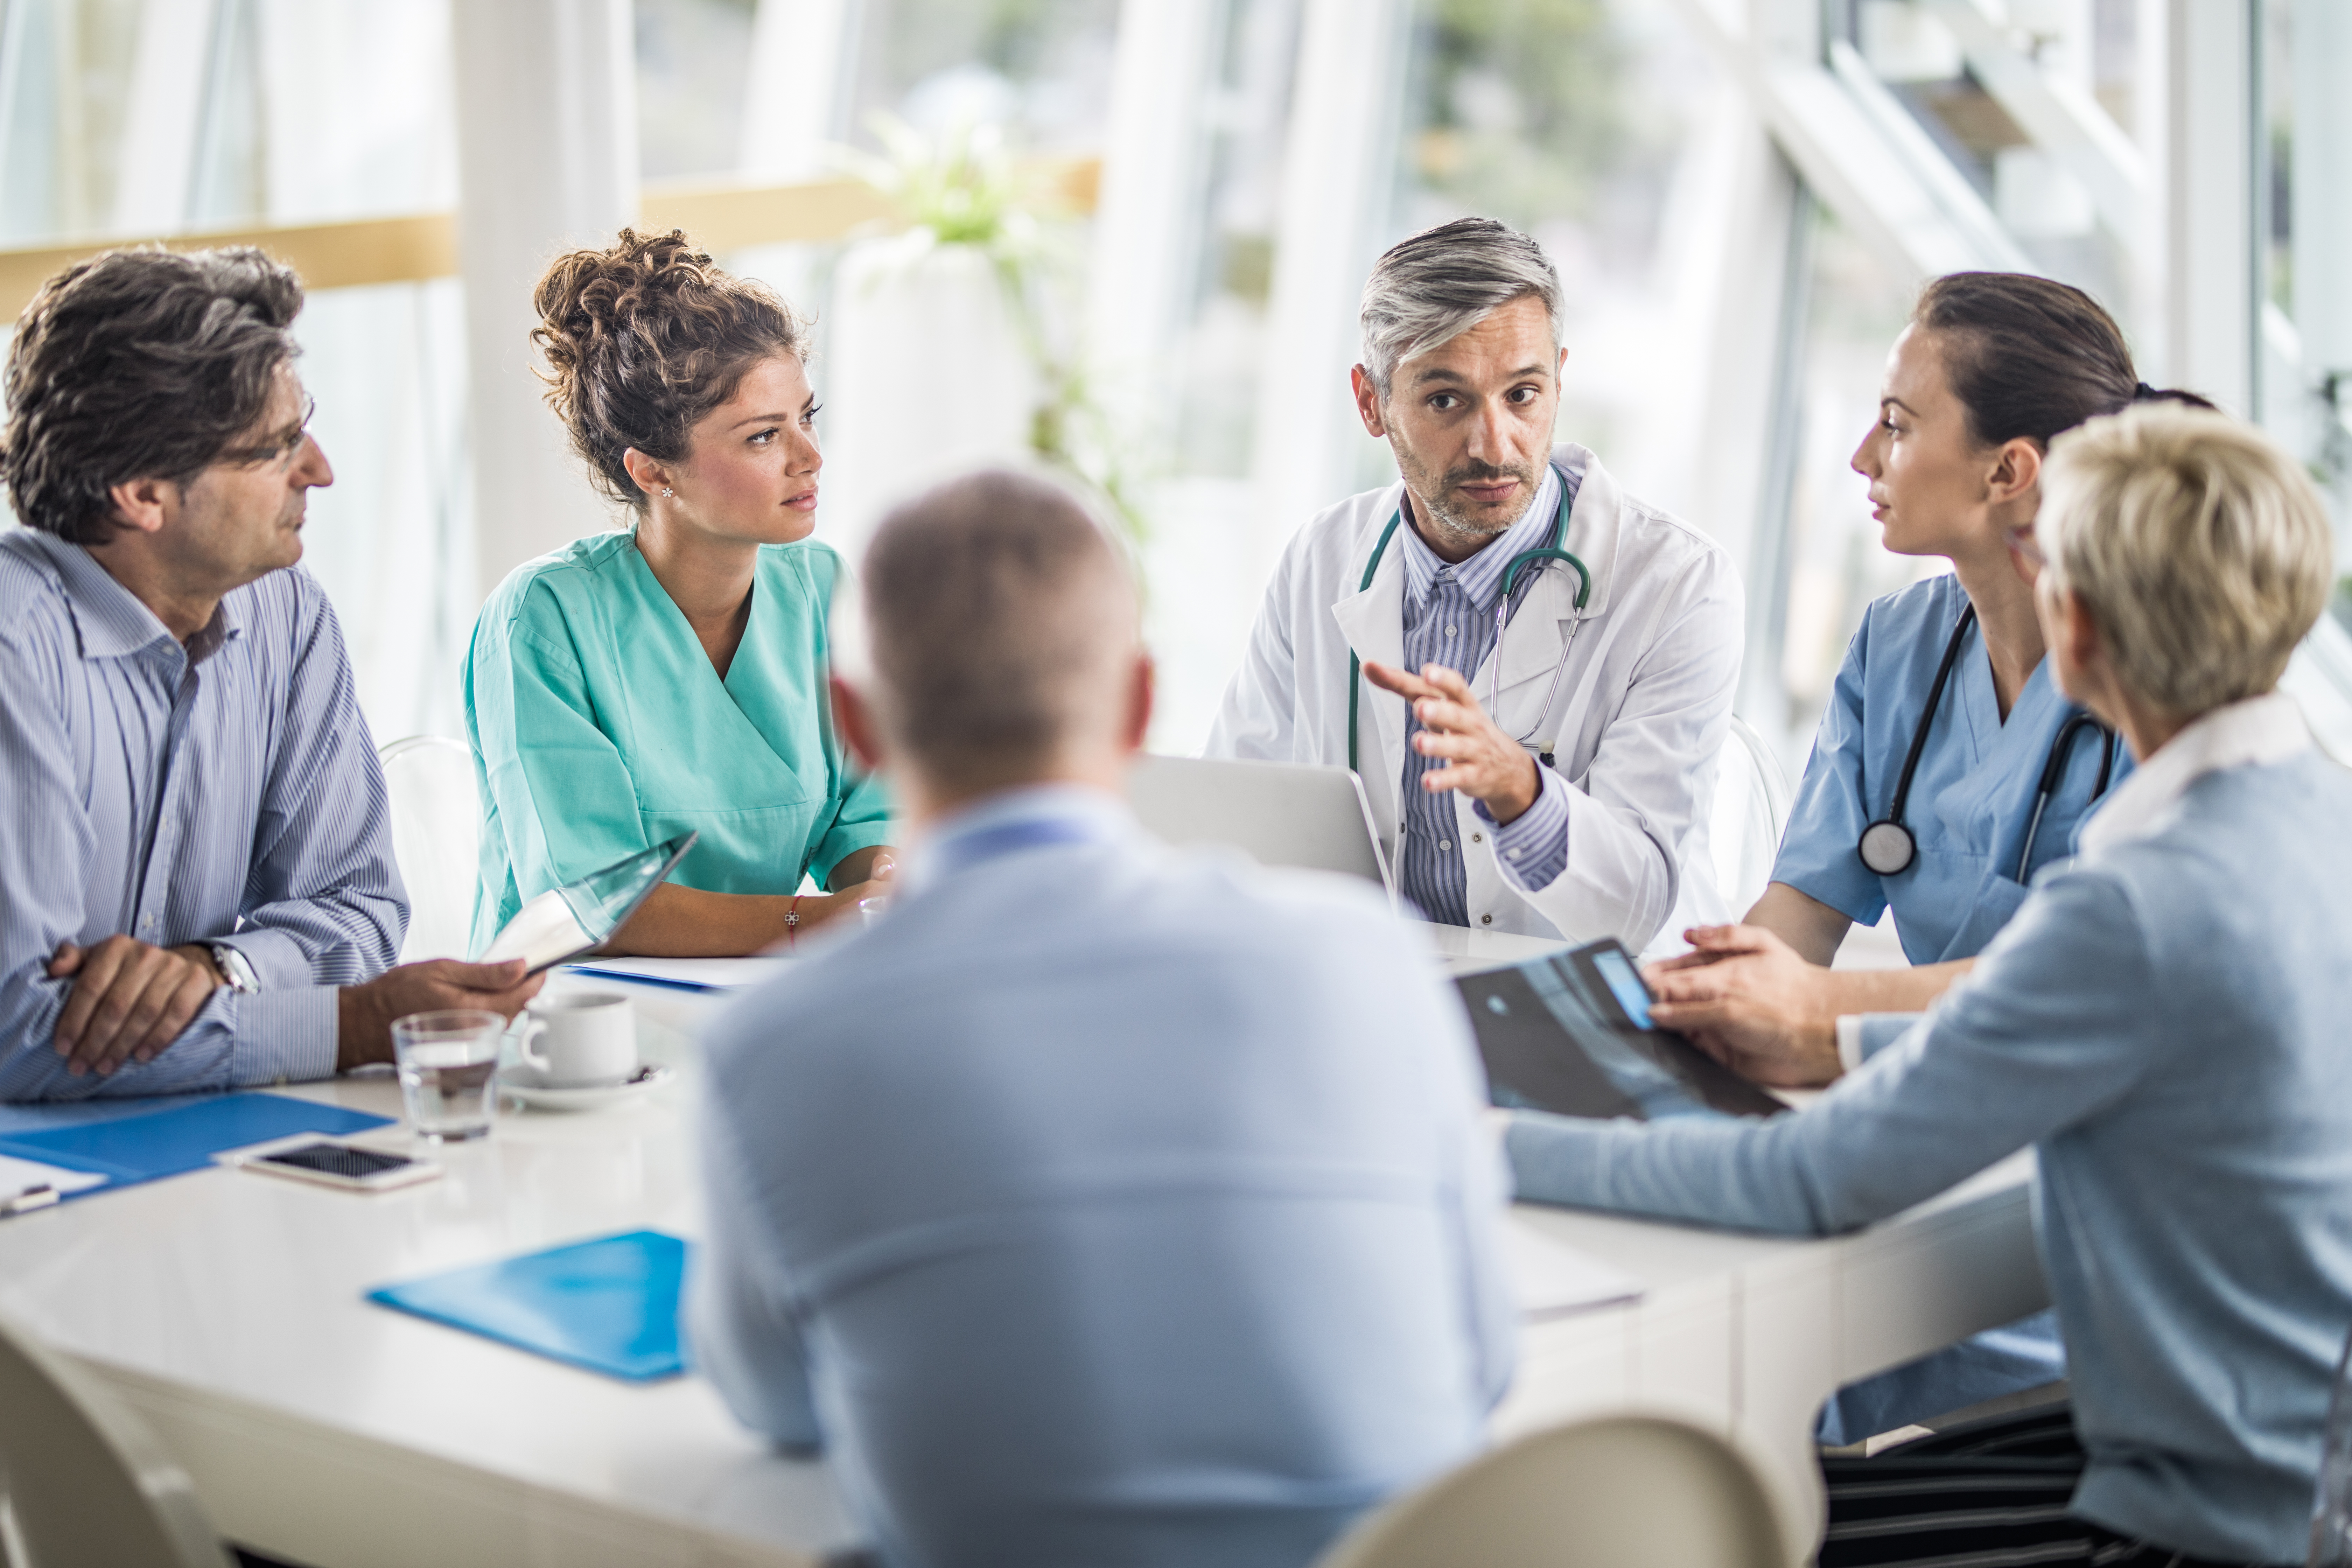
[1551,778]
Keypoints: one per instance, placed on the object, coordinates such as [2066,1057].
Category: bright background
[1741,195]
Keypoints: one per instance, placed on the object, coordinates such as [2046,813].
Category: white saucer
[523,1084]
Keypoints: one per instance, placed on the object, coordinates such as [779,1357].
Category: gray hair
[998,625]
[2200,548]
[1431,289]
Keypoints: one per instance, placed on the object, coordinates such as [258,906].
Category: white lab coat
[1638,718]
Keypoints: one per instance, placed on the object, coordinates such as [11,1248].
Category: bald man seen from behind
[1101,1203]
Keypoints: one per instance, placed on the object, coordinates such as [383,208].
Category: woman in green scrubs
[671,676]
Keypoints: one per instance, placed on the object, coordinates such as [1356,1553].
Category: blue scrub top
[1970,799]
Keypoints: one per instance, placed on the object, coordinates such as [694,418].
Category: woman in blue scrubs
[671,675]
[1947,768]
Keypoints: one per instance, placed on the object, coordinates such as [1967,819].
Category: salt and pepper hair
[2200,550]
[138,364]
[997,631]
[1432,288]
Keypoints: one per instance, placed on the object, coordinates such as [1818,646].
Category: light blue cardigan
[2168,1021]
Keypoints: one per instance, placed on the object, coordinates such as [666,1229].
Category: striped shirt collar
[110,619]
[1481,577]
[2258,731]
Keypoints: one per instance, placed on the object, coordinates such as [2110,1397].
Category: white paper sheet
[16,1175]
[696,974]
[1551,1278]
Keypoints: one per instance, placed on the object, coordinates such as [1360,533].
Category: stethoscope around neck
[1886,846]
[1555,551]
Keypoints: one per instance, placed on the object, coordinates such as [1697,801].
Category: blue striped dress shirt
[1449,619]
[226,791]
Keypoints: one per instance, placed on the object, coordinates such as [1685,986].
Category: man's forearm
[1890,990]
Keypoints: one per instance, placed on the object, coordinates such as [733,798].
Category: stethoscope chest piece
[1887,847]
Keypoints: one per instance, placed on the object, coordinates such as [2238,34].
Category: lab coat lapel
[1373,622]
[1538,636]
[1531,643]
[1594,530]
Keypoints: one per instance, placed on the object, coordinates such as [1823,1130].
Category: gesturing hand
[129,1000]
[1747,999]
[1481,761]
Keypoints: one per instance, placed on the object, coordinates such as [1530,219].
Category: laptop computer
[1278,813]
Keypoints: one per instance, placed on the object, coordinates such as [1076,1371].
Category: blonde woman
[2162,1021]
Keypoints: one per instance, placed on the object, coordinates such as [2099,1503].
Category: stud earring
[665,490]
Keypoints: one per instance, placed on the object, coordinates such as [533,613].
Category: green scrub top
[600,728]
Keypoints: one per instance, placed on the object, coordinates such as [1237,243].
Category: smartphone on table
[329,1163]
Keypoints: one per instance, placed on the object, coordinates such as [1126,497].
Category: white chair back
[1627,1491]
[437,835]
[83,1482]
[1751,809]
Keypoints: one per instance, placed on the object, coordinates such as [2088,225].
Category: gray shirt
[2164,1021]
[1105,1205]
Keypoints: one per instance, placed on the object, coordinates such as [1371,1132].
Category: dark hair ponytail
[2027,356]
[642,340]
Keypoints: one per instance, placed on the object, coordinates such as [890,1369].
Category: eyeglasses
[280,451]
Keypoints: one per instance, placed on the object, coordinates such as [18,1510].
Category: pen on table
[39,1196]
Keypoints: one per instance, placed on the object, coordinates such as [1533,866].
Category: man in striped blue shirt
[196,881]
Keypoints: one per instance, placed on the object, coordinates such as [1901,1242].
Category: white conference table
[228,1308]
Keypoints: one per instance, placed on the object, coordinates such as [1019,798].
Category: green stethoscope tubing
[1555,551]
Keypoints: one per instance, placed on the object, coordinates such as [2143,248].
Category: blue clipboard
[609,1305]
[142,1144]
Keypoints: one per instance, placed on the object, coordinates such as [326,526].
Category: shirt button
[1515,854]
[1446,843]
[1449,631]
[1485,920]
[1477,838]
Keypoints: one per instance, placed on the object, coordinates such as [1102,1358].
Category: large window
[1741,199]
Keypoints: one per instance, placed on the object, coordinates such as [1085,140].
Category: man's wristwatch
[234,968]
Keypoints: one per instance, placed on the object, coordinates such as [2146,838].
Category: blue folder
[145,1142]
[609,1305]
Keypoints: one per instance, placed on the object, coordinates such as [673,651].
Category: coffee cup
[583,1039]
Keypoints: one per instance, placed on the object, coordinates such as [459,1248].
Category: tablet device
[573,920]
[1571,1033]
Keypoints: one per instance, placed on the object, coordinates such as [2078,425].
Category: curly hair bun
[642,340]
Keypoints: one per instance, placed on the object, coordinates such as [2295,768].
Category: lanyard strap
[962,853]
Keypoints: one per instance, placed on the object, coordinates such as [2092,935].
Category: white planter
[925,374]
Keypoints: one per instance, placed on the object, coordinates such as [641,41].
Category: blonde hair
[2198,547]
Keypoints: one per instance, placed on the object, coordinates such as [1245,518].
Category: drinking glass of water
[450,1071]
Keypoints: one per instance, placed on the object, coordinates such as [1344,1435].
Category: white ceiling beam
[1861,154]
[2064,121]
